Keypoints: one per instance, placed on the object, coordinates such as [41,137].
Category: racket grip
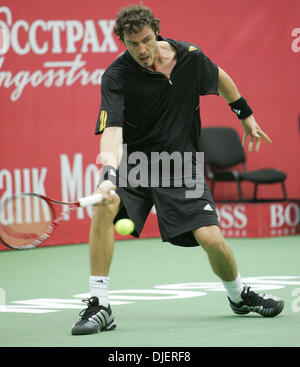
[92,199]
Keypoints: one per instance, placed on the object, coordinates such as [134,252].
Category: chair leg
[284,190]
[255,192]
[239,190]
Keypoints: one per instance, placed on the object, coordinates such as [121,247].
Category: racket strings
[25,220]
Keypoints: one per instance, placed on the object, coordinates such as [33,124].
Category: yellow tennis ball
[124,226]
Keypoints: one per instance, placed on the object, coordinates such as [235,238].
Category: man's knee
[105,214]
[210,238]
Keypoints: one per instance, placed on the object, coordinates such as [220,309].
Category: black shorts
[177,215]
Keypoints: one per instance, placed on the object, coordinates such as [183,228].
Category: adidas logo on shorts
[208,208]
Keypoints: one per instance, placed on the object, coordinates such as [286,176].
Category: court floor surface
[161,295]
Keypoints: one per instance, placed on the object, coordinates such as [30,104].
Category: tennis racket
[28,219]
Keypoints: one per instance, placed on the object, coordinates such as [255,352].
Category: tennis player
[150,103]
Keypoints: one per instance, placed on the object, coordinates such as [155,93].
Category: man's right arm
[110,146]
[110,155]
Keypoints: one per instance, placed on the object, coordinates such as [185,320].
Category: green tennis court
[161,295]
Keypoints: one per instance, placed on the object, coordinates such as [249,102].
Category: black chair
[223,150]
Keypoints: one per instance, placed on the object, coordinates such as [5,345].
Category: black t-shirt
[157,114]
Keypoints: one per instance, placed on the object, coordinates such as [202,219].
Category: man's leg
[221,260]
[98,315]
[242,299]
[218,251]
[102,237]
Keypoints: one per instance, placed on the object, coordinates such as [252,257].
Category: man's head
[137,27]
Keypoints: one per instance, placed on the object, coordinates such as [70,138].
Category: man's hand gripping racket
[28,219]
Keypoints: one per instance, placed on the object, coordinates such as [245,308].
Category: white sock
[99,288]
[234,289]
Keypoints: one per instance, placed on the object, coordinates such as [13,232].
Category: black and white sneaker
[94,318]
[263,304]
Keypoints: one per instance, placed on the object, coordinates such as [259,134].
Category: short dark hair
[133,18]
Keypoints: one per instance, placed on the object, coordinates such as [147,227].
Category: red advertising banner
[237,220]
[259,219]
[53,55]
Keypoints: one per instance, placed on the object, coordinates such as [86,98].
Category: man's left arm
[229,91]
